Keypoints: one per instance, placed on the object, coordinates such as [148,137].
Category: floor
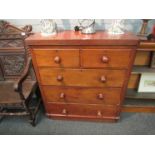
[130,123]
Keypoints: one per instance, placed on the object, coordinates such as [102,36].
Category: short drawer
[82,77]
[57,58]
[105,58]
[103,96]
[96,111]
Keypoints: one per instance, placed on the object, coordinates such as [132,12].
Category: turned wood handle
[60,78]
[105,59]
[99,113]
[103,79]
[101,96]
[57,59]
[62,95]
[64,111]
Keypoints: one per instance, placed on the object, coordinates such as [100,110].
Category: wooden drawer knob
[105,59]
[62,95]
[101,96]
[60,78]
[64,111]
[103,79]
[57,59]
[99,113]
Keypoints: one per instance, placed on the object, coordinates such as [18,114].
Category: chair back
[13,51]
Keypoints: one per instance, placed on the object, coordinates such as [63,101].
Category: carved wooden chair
[16,96]
[17,86]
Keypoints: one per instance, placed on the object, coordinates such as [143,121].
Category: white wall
[130,24]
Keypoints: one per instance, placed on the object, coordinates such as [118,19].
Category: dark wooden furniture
[83,76]
[141,102]
[13,51]
[16,96]
[17,81]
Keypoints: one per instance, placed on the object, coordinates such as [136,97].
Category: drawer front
[82,77]
[106,58]
[65,95]
[57,58]
[97,111]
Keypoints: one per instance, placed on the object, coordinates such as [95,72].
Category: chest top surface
[77,38]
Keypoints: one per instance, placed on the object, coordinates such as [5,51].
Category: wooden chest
[83,76]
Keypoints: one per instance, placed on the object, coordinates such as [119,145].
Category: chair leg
[33,122]
[1,117]
[32,119]
[29,112]
[33,113]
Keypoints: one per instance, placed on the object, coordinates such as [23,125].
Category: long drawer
[82,77]
[57,57]
[103,96]
[105,58]
[96,111]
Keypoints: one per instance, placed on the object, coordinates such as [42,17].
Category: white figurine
[48,27]
[117,27]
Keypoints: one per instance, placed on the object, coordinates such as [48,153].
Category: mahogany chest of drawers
[83,76]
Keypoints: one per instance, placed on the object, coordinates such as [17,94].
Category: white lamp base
[48,34]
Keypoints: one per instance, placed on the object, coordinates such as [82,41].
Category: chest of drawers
[83,76]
